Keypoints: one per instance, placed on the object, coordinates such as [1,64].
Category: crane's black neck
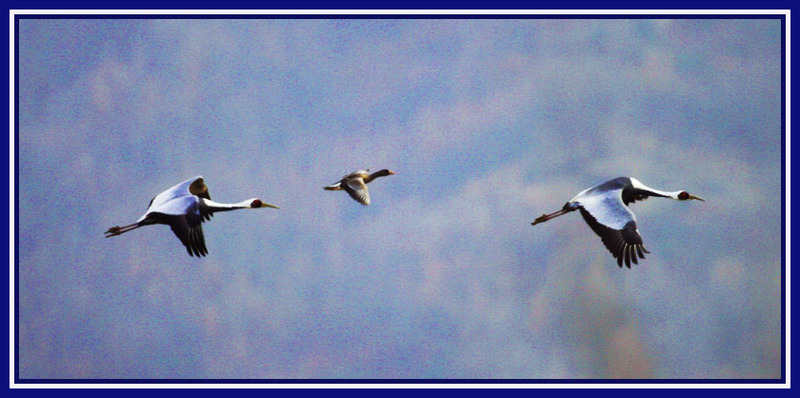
[630,195]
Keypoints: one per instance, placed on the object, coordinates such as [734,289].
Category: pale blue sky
[488,123]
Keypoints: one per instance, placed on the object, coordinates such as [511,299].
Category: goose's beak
[391,172]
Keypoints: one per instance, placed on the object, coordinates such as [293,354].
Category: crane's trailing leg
[114,231]
[545,217]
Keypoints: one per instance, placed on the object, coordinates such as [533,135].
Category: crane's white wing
[184,217]
[178,190]
[177,206]
[607,208]
[609,218]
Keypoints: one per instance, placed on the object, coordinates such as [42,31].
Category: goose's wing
[339,185]
[357,190]
[609,218]
[363,173]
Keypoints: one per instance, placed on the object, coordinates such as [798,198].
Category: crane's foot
[540,219]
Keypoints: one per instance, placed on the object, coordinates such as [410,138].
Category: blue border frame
[561,382]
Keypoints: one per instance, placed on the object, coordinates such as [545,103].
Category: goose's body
[184,207]
[605,209]
[355,184]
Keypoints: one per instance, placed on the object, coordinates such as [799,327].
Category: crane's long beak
[269,205]
[696,198]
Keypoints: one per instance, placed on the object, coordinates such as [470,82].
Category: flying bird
[184,207]
[605,209]
[355,184]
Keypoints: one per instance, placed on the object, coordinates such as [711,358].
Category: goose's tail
[333,187]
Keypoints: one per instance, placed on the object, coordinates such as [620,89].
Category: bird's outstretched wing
[625,244]
[199,188]
[616,225]
[357,190]
[358,173]
[189,229]
[175,191]
[184,216]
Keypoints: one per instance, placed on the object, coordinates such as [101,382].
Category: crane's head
[683,195]
[257,203]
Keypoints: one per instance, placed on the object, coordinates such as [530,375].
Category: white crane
[355,184]
[184,207]
[605,209]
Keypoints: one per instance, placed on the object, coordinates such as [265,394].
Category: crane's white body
[605,203]
[605,209]
[184,207]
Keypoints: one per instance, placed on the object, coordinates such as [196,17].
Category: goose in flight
[355,184]
[605,209]
[184,207]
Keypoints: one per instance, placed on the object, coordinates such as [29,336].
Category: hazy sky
[488,123]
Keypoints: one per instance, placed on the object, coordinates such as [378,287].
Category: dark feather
[199,188]
[189,230]
[623,244]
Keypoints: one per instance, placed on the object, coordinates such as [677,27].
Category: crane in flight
[355,184]
[605,209]
[184,207]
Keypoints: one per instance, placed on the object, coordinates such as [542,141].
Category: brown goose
[355,184]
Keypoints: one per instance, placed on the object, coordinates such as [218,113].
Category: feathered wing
[189,229]
[199,188]
[357,190]
[616,225]
[184,216]
[176,191]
